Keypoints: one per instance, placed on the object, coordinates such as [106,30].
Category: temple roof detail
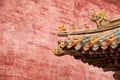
[99,47]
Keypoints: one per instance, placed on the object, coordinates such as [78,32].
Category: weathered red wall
[28,34]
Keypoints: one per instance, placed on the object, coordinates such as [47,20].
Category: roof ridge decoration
[99,47]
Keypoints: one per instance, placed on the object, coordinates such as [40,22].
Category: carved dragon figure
[100,19]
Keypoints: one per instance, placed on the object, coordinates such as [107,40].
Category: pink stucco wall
[28,34]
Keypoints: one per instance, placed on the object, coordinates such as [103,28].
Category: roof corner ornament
[99,47]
